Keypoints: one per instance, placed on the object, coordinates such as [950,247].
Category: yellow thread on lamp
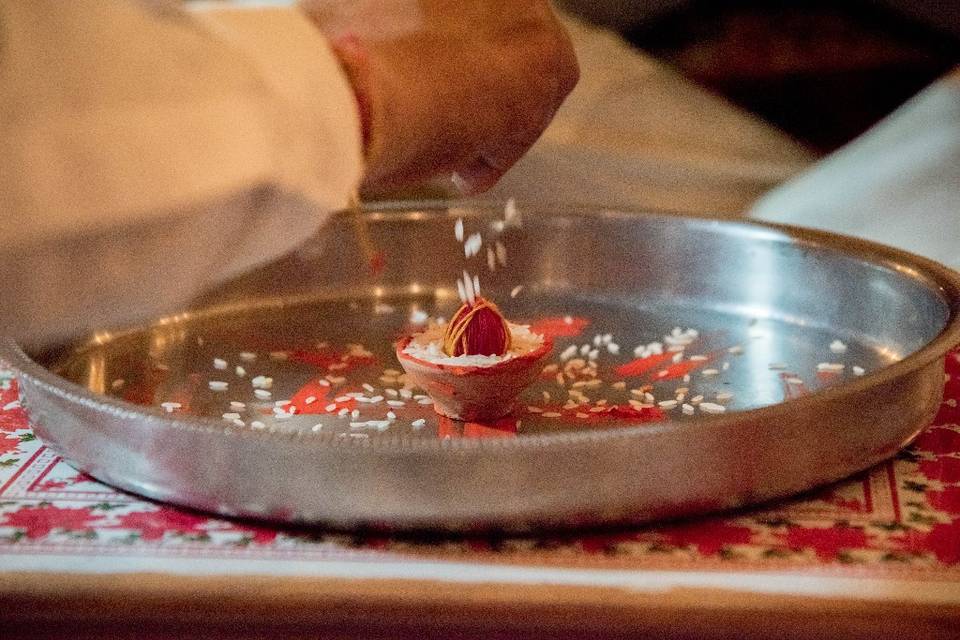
[456,332]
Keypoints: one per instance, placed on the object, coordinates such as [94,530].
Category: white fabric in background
[898,183]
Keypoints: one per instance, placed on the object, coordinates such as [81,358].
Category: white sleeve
[149,151]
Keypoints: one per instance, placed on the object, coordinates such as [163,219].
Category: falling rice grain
[262,382]
[830,367]
[501,253]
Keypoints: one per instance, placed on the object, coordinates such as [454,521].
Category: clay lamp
[475,366]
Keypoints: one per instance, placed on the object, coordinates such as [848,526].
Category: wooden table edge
[165,601]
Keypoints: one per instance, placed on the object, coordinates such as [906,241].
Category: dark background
[821,71]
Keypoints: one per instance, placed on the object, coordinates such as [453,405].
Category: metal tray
[767,302]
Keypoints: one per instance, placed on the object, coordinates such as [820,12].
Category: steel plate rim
[945,278]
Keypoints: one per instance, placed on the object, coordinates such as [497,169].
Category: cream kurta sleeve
[149,151]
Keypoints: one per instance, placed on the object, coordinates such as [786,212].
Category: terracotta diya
[475,366]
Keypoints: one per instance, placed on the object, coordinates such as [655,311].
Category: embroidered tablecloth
[892,532]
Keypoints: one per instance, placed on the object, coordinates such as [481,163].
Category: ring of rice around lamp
[473,387]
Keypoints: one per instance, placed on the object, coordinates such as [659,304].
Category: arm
[151,151]
[449,87]
[117,115]
[148,153]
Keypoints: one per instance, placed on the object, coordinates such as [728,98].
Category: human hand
[445,88]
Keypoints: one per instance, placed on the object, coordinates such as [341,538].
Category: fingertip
[461,186]
[475,178]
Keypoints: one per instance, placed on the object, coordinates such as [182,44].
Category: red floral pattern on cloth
[901,516]
[40,520]
[9,444]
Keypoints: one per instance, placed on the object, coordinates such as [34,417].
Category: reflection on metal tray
[697,366]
